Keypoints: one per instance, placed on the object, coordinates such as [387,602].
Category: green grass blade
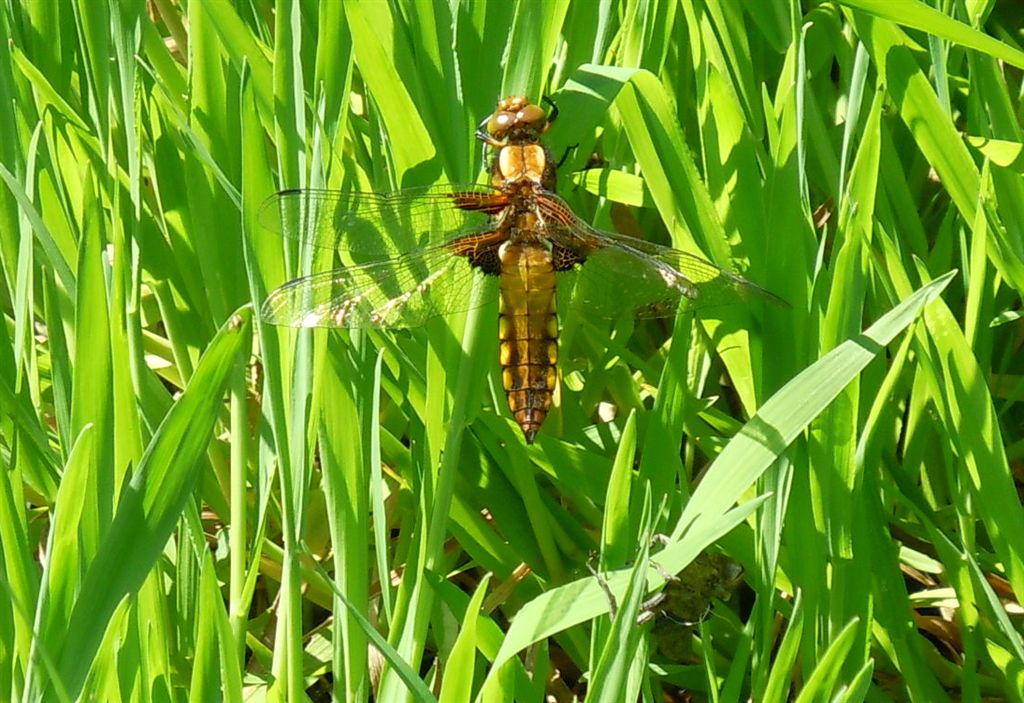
[150,506]
[458,685]
[918,15]
[787,413]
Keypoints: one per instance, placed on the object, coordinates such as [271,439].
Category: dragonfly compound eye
[532,117]
[500,123]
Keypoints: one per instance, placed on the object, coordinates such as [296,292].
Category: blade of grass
[150,506]
[787,413]
[918,15]
[614,676]
[458,684]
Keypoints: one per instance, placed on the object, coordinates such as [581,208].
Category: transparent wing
[402,257]
[622,274]
[402,292]
[377,226]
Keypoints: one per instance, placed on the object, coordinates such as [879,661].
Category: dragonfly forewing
[375,226]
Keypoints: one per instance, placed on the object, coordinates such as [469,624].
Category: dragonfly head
[516,119]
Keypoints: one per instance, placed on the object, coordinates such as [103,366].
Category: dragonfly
[407,256]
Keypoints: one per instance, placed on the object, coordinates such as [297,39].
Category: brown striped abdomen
[528,332]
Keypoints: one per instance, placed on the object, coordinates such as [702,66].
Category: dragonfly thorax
[527,162]
[524,230]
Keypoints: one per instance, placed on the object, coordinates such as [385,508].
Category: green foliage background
[198,506]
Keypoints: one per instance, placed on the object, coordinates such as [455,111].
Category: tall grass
[200,506]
